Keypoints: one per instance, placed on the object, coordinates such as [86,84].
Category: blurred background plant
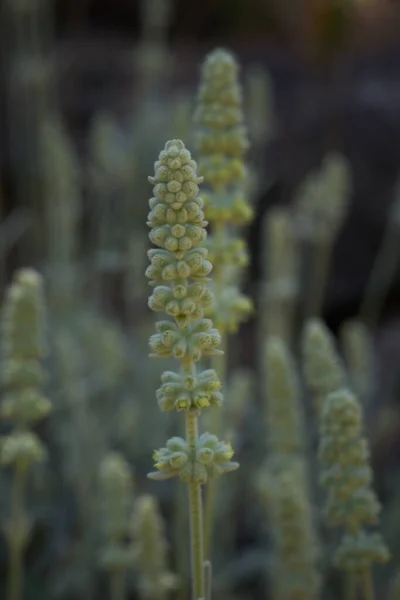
[90,92]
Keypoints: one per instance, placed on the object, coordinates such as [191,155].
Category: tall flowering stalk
[221,144]
[116,498]
[351,502]
[284,483]
[179,272]
[23,348]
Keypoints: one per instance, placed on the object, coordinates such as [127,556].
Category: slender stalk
[367,585]
[350,585]
[117,585]
[209,517]
[17,535]
[208,579]
[196,516]
[181,558]
[219,363]
[382,276]
[321,256]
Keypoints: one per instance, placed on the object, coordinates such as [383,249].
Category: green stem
[180,528]
[17,535]
[196,516]
[209,517]
[367,585]
[117,585]
[208,579]
[350,585]
[382,275]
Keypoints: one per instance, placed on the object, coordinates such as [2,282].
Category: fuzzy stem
[350,582]
[208,517]
[17,535]
[196,516]
[208,579]
[117,585]
[367,585]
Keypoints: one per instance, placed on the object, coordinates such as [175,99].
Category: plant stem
[17,535]
[117,585]
[196,516]
[321,257]
[350,585]
[367,585]
[382,276]
[209,518]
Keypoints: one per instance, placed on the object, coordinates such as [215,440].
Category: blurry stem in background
[28,42]
[367,585]
[315,292]
[117,585]
[17,535]
[219,363]
[382,275]
[207,579]
[350,585]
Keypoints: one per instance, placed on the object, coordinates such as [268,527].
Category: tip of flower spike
[221,56]
[28,276]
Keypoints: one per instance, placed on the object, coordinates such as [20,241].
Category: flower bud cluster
[23,348]
[182,391]
[230,308]
[177,226]
[210,458]
[225,250]
[221,143]
[347,477]
[179,274]
[222,137]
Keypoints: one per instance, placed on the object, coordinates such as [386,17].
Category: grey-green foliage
[285,419]
[359,355]
[323,367]
[284,481]
[351,504]
[155,580]
[295,571]
[115,493]
[23,377]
